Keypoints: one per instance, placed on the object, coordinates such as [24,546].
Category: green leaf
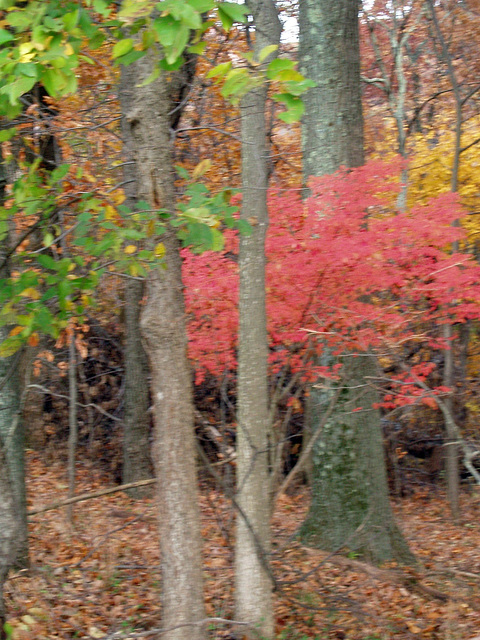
[59,173]
[298,87]
[102,7]
[70,20]
[130,57]
[182,36]
[238,83]
[29,69]
[20,19]
[182,172]
[54,81]
[122,47]
[189,16]
[220,70]
[174,66]
[278,65]
[198,48]
[5,36]
[153,76]
[295,107]
[244,227]
[202,6]
[46,261]
[6,134]
[16,89]
[227,22]
[232,12]
[11,345]
[96,40]
[166,28]
[218,241]
[266,51]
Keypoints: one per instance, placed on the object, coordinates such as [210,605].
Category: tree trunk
[163,328]
[12,427]
[253,595]
[350,505]
[137,464]
[329,54]
[8,530]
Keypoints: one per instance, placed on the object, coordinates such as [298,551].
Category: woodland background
[372,283]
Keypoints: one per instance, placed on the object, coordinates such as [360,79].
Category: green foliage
[8,630]
[237,81]
[41,42]
[201,216]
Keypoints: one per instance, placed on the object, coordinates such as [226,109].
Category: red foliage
[344,266]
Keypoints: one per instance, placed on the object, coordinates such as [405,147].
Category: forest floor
[100,578]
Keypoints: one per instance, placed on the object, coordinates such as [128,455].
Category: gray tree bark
[8,531]
[253,586]
[163,329]
[137,463]
[350,505]
[332,133]
[12,427]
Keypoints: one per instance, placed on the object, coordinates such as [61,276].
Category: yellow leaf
[201,168]
[110,212]
[160,250]
[150,228]
[15,331]
[30,292]
[129,249]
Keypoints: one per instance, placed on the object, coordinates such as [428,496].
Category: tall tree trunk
[350,492]
[163,328]
[329,54]
[253,595]
[137,464]
[12,427]
[8,530]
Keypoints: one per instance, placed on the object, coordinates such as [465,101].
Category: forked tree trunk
[253,594]
[350,503]
[163,328]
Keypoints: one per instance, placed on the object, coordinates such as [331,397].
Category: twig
[90,496]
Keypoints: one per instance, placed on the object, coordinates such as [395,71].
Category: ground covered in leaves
[100,578]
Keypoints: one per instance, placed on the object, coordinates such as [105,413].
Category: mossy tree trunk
[350,503]
[350,506]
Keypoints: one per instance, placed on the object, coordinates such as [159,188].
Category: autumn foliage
[347,270]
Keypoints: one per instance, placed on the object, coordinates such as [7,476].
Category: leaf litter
[100,578]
